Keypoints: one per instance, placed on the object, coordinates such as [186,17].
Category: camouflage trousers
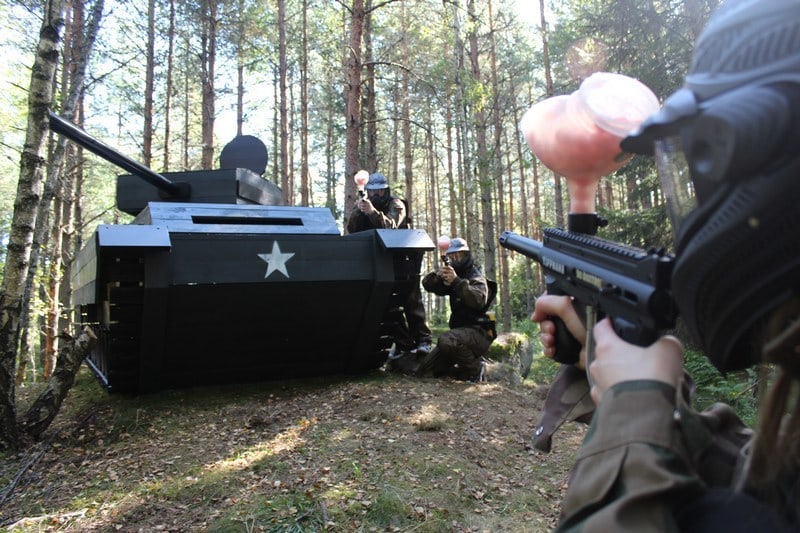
[457,354]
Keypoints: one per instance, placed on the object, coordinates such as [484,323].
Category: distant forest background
[429,93]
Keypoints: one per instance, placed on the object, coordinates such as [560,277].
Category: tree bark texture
[45,408]
[26,207]
[208,65]
[353,103]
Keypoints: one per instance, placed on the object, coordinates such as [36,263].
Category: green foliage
[737,389]
[522,290]
[646,228]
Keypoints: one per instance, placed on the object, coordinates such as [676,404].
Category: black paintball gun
[604,278]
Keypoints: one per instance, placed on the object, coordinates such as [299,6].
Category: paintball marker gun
[628,284]
[444,243]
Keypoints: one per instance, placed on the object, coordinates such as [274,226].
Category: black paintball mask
[727,151]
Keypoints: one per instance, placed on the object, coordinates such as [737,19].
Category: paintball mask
[378,190]
[459,255]
[727,151]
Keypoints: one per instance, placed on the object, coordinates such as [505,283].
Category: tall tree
[169,83]
[497,168]
[549,91]
[405,115]
[26,207]
[353,101]
[283,103]
[370,113]
[482,156]
[208,59]
[149,75]
[305,194]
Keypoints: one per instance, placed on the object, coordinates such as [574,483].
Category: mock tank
[215,282]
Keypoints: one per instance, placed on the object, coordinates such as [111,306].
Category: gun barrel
[80,137]
[529,247]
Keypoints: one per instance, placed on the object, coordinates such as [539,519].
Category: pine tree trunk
[150,65]
[305,182]
[284,105]
[168,88]
[405,112]
[353,104]
[370,115]
[208,60]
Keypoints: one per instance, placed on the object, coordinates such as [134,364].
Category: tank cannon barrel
[80,137]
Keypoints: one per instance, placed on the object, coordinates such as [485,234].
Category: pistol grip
[568,348]
[633,333]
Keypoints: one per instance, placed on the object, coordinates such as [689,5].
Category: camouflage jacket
[646,455]
[393,217]
[469,296]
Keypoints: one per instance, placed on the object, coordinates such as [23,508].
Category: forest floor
[379,452]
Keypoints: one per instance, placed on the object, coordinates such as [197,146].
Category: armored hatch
[199,292]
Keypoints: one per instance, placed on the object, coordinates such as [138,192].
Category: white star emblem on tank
[276,260]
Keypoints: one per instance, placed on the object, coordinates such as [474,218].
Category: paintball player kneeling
[459,351]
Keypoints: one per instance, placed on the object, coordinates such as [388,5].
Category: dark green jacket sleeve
[645,455]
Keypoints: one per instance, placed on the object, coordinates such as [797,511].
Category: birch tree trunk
[46,406]
[26,206]
[78,48]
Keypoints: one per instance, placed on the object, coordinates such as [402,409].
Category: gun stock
[628,284]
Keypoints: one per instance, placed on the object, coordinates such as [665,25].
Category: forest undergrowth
[379,452]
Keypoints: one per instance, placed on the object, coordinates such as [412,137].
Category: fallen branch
[28,464]
[25,467]
[23,522]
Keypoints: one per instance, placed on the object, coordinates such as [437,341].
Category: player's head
[727,148]
[378,190]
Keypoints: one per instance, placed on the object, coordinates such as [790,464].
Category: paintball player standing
[381,210]
[459,351]
[649,462]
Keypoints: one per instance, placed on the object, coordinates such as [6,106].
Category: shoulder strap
[492,285]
